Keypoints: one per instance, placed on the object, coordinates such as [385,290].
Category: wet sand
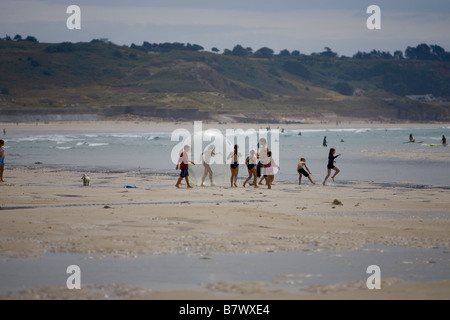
[47,210]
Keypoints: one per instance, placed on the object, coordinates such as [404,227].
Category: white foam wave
[97,144]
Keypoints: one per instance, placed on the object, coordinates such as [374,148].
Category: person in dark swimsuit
[301,166]
[251,167]
[444,140]
[331,166]
[234,166]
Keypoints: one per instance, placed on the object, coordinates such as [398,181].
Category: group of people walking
[259,164]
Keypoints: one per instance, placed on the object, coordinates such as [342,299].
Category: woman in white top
[207,155]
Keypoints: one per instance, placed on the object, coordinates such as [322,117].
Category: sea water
[366,153]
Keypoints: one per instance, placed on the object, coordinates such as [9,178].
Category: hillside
[109,80]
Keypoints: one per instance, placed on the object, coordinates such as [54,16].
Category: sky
[304,25]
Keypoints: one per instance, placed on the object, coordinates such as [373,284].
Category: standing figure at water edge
[207,155]
[444,140]
[268,168]
[324,141]
[234,166]
[183,164]
[331,166]
[262,155]
[301,166]
[250,161]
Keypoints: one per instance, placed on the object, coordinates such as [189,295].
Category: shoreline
[139,125]
[45,209]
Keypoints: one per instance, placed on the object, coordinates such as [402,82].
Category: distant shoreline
[145,124]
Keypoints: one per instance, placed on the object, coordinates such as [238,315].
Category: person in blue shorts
[183,165]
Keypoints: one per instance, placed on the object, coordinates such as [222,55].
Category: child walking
[183,164]
[2,159]
[331,166]
[251,167]
[302,172]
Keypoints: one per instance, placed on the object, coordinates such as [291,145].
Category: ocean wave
[97,144]
[63,148]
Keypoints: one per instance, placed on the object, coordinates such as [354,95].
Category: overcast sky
[304,25]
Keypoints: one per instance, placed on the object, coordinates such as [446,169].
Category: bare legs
[207,171]
[269,180]
[329,173]
[234,176]
[252,174]
[300,179]
[179,181]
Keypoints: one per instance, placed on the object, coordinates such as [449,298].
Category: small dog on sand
[86,180]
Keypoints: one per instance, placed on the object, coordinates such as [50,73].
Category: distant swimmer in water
[411,139]
[299,133]
[324,141]
[444,140]
[342,140]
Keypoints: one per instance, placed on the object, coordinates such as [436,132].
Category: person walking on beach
[444,140]
[331,166]
[183,165]
[234,166]
[2,159]
[324,141]
[268,168]
[262,155]
[250,161]
[302,172]
[207,155]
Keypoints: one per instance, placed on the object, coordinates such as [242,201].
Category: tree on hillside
[295,53]
[227,52]
[284,53]
[328,53]
[398,54]
[18,37]
[214,49]
[297,69]
[264,52]
[31,39]
[239,51]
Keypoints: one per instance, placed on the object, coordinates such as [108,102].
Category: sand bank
[48,210]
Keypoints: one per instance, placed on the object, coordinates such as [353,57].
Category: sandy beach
[47,210]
